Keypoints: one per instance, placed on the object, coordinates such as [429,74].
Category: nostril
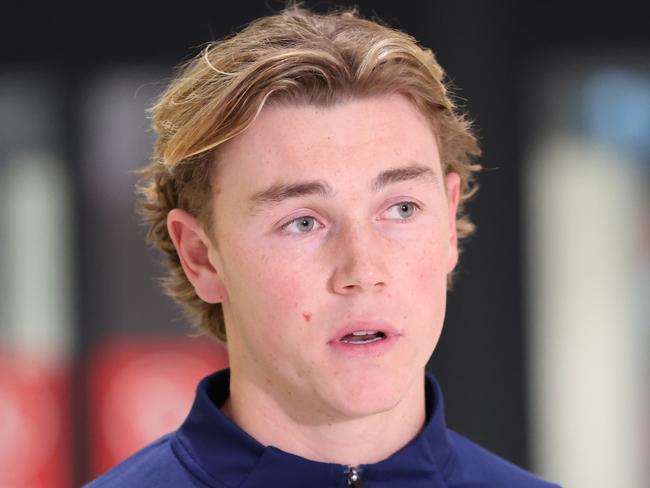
[378,286]
[357,278]
[361,286]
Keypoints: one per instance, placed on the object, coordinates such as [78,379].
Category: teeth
[361,341]
[363,337]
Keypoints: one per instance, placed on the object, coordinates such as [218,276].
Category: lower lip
[369,350]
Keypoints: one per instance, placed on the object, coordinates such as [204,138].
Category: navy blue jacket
[208,450]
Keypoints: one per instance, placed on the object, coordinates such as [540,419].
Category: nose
[360,257]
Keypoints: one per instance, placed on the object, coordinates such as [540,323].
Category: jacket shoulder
[476,467]
[156,465]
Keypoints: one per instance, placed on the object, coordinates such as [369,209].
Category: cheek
[430,292]
[425,284]
[270,290]
[429,265]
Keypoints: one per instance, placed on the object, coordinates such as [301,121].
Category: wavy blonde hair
[295,56]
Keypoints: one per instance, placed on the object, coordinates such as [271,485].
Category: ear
[453,197]
[194,250]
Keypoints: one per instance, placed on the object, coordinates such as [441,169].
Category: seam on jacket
[246,478]
[192,465]
[448,467]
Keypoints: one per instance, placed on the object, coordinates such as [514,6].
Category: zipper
[353,476]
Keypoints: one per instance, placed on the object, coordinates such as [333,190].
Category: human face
[331,221]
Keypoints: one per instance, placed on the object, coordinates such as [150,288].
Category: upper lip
[364,325]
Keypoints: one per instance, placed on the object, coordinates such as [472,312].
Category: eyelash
[416,209]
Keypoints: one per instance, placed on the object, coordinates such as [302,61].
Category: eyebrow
[405,173]
[278,192]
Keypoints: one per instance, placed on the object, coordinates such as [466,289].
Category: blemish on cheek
[307,316]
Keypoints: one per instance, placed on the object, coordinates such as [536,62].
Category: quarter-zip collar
[223,455]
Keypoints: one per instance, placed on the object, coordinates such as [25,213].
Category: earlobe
[453,197]
[193,248]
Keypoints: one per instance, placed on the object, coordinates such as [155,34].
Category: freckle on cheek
[307,316]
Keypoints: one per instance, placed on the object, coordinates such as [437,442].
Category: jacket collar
[222,454]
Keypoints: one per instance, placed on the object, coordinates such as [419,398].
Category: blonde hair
[295,56]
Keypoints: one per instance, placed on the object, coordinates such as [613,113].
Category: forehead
[355,140]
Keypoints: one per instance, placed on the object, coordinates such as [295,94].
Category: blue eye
[404,210]
[301,225]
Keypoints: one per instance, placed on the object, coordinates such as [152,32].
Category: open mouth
[363,337]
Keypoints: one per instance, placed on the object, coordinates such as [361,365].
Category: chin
[362,394]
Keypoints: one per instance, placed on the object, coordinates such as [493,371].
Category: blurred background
[545,357]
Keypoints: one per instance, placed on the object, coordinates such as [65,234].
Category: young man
[307,189]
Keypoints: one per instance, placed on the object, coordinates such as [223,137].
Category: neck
[349,441]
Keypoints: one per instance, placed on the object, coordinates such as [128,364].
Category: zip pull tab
[354,478]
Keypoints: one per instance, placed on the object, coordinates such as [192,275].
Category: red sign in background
[142,389]
[35,424]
